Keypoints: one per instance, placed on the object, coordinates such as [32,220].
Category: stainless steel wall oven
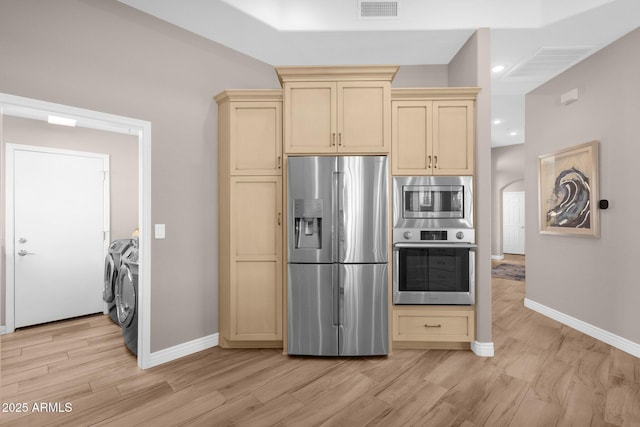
[434,273]
[434,241]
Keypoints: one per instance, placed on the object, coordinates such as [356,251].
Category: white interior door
[60,217]
[513,222]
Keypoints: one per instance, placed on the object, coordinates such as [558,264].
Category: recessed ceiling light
[497,121]
[513,133]
[64,121]
[498,68]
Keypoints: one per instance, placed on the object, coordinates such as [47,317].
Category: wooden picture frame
[568,191]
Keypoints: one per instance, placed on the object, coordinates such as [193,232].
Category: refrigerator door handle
[335,307]
[339,186]
[337,216]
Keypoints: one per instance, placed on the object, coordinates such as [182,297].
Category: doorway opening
[11,105]
[513,225]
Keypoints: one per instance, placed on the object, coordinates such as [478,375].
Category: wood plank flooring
[543,374]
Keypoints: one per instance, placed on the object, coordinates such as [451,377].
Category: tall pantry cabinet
[250,218]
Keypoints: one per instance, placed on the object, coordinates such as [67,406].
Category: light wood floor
[543,374]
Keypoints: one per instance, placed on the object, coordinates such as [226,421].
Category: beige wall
[105,56]
[593,280]
[422,76]
[507,164]
[471,67]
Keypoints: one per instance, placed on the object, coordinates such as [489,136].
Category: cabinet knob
[279,162]
[333,139]
[435,166]
[279,218]
[340,138]
[429,165]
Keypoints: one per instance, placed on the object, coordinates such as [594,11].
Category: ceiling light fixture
[497,121]
[64,121]
[513,133]
[498,68]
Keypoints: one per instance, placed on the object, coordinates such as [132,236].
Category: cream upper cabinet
[433,131]
[337,109]
[253,122]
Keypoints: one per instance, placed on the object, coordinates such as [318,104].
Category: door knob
[22,252]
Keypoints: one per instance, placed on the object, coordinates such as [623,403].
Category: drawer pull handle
[433,326]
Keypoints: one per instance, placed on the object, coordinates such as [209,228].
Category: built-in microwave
[432,202]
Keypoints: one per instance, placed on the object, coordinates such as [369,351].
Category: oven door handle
[470,246]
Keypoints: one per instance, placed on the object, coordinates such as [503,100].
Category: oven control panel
[449,235]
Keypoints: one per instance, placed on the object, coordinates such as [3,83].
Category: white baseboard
[181,350]
[482,349]
[497,257]
[3,330]
[586,328]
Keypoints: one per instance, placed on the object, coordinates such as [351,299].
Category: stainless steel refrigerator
[338,256]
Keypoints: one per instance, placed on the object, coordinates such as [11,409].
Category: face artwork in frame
[568,191]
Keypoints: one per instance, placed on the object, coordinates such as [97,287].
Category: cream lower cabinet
[255,284]
[431,326]
[433,131]
[250,226]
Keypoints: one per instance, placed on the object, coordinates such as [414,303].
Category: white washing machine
[112,262]
[127,298]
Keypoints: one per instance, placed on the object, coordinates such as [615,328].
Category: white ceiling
[534,39]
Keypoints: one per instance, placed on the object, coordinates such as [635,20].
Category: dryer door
[110,275]
[125,295]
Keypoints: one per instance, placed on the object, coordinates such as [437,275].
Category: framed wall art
[568,191]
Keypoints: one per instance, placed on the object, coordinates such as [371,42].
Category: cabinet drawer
[432,325]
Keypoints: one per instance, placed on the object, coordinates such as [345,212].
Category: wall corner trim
[482,349]
[181,350]
[586,328]
[497,257]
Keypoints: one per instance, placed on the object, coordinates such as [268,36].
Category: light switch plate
[160,231]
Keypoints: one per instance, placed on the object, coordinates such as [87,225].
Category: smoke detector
[377,9]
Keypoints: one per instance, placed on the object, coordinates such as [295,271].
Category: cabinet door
[309,117]
[411,140]
[256,254]
[255,134]
[453,140]
[364,117]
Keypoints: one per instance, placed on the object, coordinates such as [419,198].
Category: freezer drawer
[313,310]
[363,310]
[338,309]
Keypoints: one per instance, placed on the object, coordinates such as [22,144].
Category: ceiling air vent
[549,61]
[378,9]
